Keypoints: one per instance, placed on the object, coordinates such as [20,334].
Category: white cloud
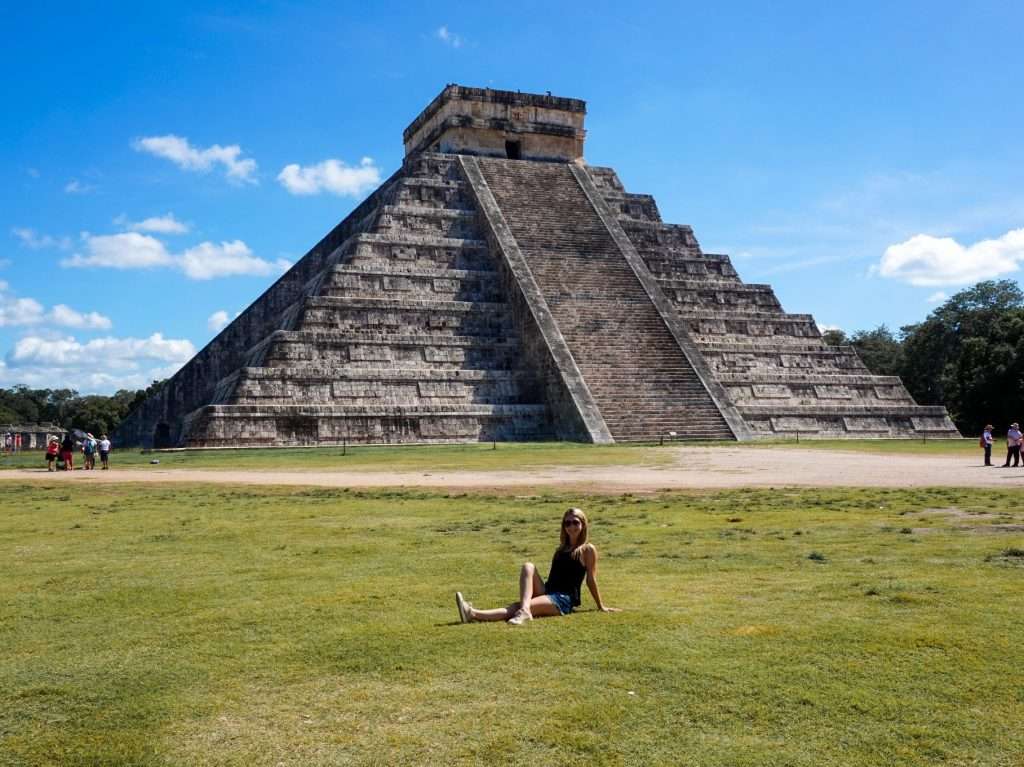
[105,353]
[205,261]
[208,260]
[35,241]
[167,224]
[74,186]
[218,321]
[332,176]
[823,328]
[178,150]
[937,297]
[67,317]
[928,261]
[15,311]
[448,37]
[102,365]
[129,250]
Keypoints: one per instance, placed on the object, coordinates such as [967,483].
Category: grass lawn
[509,456]
[473,456]
[213,625]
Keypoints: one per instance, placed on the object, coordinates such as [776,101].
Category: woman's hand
[606,609]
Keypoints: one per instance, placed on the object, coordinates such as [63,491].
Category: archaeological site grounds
[497,333]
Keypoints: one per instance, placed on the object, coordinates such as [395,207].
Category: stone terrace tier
[779,373]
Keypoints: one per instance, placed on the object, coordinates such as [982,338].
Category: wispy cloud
[167,224]
[927,261]
[74,186]
[23,312]
[332,176]
[33,240]
[218,321]
[178,150]
[205,261]
[937,297]
[448,37]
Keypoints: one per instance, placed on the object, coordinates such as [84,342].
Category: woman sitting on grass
[574,559]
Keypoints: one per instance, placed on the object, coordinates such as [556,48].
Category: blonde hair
[581,541]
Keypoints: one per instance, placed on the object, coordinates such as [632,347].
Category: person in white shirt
[104,445]
[986,442]
[1013,439]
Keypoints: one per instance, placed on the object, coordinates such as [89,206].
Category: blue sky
[161,163]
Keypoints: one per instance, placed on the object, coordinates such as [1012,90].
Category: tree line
[968,355]
[94,413]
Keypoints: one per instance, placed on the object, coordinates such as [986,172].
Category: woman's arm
[590,562]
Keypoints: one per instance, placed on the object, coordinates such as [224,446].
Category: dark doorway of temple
[512,150]
[162,436]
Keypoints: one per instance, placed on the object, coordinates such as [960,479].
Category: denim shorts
[562,601]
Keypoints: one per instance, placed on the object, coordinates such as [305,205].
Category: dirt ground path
[694,468]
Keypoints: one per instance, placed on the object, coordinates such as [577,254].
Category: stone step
[790,377]
[257,425]
[651,234]
[428,222]
[381,386]
[893,420]
[378,251]
[437,193]
[408,316]
[436,284]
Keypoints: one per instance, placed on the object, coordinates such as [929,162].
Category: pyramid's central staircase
[497,287]
[638,375]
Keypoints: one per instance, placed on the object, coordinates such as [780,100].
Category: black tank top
[566,576]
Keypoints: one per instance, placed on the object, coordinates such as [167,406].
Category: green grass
[202,625]
[474,456]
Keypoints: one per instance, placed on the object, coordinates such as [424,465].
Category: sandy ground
[694,468]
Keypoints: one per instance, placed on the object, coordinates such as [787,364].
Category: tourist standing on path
[89,451]
[67,451]
[574,560]
[52,448]
[986,442]
[1013,438]
[104,446]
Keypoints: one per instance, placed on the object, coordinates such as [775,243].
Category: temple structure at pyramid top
[498,287]
[516,126]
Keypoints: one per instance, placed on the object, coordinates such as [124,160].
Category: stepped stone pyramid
[498,287]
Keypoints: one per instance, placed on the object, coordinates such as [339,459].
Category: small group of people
[1014,439]
[12,442]
[60,453]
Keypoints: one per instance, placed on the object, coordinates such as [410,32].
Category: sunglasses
[571,522]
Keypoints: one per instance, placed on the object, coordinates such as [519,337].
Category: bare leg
[498,614]
[530,585]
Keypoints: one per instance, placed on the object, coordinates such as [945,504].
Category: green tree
[968,354]
[835,337]
[880,350]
